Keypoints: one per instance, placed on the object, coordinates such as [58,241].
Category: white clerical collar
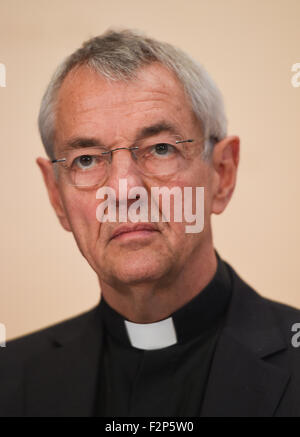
[149,336]
[188,322]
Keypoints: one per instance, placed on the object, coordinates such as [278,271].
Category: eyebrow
[156,129]
[145,132]
[81,142]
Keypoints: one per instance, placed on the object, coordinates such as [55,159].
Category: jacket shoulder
[288,318]
[33,343]
[286,313]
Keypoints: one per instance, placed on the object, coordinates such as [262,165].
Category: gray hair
[117,55]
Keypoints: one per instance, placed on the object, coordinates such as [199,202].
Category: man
[177,332]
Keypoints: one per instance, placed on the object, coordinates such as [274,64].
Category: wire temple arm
[58,160]
[184,141]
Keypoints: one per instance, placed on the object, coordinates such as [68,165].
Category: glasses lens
[87,167]
[163,158]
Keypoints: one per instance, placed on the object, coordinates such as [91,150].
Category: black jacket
[255,370]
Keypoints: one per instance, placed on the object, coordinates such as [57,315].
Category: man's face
[114,114]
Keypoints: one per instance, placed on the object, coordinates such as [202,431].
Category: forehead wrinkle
[156,92]
[84,106]
[146,89]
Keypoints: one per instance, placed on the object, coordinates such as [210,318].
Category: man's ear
[53,192]
[225,160]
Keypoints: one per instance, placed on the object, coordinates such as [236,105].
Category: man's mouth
[137,230]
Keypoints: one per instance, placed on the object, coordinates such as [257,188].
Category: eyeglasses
[89,166]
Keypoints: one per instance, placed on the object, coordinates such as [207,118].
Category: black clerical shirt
[168,381]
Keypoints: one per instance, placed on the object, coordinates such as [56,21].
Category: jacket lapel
[242,383]
[64,380]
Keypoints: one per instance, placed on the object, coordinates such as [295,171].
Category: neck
[153,301]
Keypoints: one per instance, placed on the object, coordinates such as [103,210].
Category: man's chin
[135,270]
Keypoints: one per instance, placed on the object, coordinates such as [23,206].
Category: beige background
[248,46]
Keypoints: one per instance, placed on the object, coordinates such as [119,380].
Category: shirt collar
[188,322]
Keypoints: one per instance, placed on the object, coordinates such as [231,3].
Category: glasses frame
[110,152]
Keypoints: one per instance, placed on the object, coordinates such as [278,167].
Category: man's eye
[85,161]
[163,149]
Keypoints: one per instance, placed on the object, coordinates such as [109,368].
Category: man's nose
[123,166]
